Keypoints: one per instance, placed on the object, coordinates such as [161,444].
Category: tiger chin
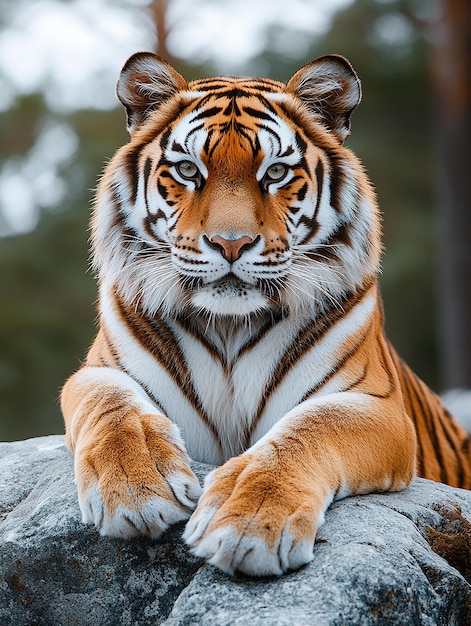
[237,244]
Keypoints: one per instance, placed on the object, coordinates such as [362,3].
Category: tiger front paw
[249,519]
[136,481]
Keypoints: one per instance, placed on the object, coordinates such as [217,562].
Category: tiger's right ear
[330,88]
[146,81]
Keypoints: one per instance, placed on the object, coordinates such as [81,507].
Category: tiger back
[237,243]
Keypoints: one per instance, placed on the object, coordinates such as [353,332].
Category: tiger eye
[277,171]
[187,169]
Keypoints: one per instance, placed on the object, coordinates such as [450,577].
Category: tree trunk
[158,10]
[451,74]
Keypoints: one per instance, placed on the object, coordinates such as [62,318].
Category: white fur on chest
[233,391]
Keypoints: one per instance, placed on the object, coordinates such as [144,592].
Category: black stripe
[351,353]
[133,170]
[263,82]
[248,134]
[272,132]
[302,145]
[206,84]
[424,409]
[208,113]
[305,339]
[319,182]
[162,191]
[110,346]
[454,447]
[400,370]
[233,91]
[156,337]
[121,367]
[266,102]
[147,170]
[118,219]
[358,380]
[191,327]
[165,173]
[312,223]
[312,226]
[210,151]
[327,250]
[387,370]
[301,193]
[447,421]
[177,147]
[289,150]
[165,137]
[192,131]
[258,114]
[337,180]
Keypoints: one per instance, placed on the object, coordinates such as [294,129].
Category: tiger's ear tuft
[330,88]
[146,81]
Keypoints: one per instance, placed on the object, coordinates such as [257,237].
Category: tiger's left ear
[330,88]
[146,81]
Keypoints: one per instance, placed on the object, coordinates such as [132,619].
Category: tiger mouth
[229,295]
[230,281]
[230,286]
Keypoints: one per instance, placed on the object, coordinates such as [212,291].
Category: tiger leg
[259,512]
[132,471]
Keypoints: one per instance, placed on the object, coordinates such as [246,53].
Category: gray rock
[372,563]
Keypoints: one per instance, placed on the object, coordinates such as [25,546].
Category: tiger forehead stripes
[237,245]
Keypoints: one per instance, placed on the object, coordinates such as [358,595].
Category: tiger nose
[231,249]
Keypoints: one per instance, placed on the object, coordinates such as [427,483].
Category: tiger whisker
[296,288]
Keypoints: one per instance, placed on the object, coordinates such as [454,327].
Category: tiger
[237,244]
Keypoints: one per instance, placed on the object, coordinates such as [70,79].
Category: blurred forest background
[412,132]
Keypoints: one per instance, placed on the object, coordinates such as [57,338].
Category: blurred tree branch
[158,10]
[451,75]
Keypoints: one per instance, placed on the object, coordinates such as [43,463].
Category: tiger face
[236,196]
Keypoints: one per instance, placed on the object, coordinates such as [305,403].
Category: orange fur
[237,242]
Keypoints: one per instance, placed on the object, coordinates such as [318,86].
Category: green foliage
[47,311]
[46,323]
[47,316]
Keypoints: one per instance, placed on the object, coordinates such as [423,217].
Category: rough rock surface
[372,563]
